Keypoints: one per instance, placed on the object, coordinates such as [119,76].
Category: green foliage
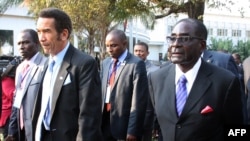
[242,47]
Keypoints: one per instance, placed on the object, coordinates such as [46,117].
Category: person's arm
[90,102]
[139,100]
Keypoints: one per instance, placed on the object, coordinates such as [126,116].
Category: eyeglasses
[181,39]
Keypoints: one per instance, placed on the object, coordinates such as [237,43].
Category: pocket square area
[207,109]
[67,80]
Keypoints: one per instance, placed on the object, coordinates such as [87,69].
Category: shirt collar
[190,75]
[122,56]
[58,58]
[31,60]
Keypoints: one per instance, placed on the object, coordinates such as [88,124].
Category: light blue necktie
[181,94]
[47,114]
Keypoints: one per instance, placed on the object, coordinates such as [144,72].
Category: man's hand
[131,138]
[9,138]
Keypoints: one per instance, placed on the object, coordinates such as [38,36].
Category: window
[210,31]
[222,32]
[236,33]
[248,33]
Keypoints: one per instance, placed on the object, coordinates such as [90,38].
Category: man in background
[7,82]
[125,91]
[28,78]
[141,50]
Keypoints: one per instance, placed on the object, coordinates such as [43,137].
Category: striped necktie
[47,114]
[112,80]
[181,94]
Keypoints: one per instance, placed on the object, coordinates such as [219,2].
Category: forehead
[139,47]
[24,36]
[113,38]
[184,28]
[45,23]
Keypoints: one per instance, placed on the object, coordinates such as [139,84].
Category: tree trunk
[196,9]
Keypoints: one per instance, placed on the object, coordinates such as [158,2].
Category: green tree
[225,45]
[242,47]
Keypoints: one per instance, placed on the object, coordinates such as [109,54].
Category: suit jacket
[214,87]
[220,59]
[150,67]
[33,79]
[227,62]
[76,101]
[148,127]
[128,96]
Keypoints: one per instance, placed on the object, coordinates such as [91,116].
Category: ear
[125,43]
[203,45]
[64,35]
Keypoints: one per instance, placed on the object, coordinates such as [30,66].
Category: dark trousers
[106,132]
[46,135]
[4,129]
[22,135]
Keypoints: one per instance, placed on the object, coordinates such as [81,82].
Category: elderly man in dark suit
[194,100]
[125,91]
[27,80]
[71,103]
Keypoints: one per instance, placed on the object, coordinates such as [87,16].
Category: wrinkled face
[51,41]
[140,51]
[26,46]
[115,46]
[185,47]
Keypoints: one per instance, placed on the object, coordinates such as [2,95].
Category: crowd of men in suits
[64,97]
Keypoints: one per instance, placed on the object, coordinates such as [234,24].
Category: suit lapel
[122,65]
[198,89]
[33,70]
[61,76]
[170,88]
[106,70]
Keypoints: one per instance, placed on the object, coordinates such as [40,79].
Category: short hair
[33,35]
[237,55]
[143,44]
[121,34]
[62,20]
[201,30]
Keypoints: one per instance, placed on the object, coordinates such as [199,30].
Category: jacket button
[178,126]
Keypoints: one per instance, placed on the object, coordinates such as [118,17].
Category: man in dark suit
[27,84]
[209,97]
[141,50]
[125,98]
[71,103]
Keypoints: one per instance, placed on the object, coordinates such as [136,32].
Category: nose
[41,37]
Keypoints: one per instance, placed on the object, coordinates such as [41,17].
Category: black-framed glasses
[181,39]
